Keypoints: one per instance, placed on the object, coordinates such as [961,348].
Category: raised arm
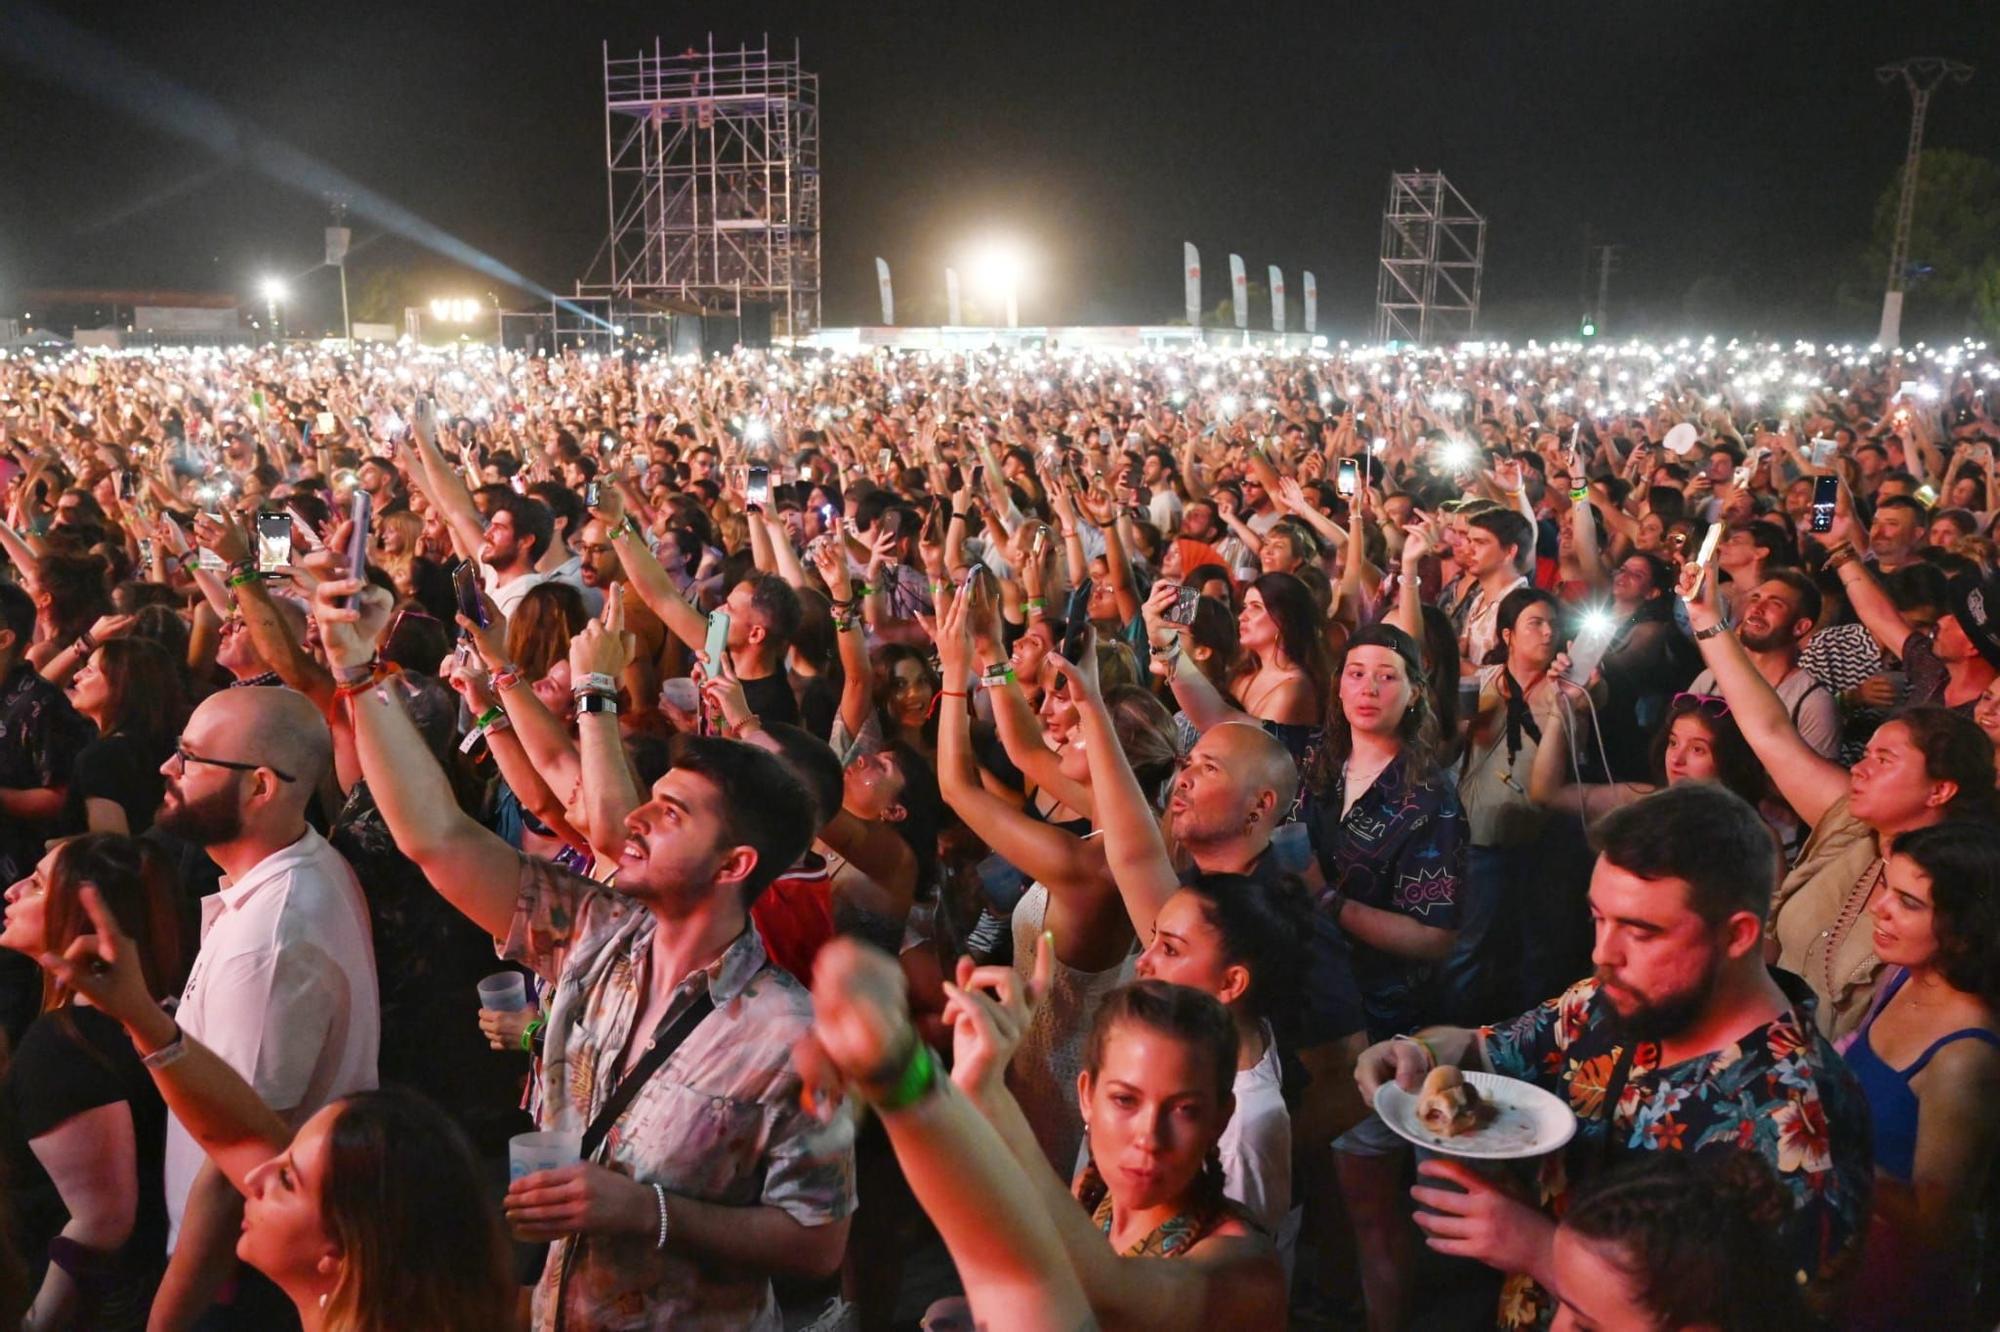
[475,870]
[986,1210]
[1133,847]
[211,1100]
[1809,783]
[644,571]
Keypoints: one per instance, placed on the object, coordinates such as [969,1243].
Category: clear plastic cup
[1291,847]
[528,1153]
[503,992]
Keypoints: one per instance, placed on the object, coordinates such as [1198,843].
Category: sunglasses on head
[1708,705]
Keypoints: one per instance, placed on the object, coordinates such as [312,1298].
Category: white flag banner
[951,297]
[1312,304]
[888,296]
[1239,291]
[1191,271]
[1277,299]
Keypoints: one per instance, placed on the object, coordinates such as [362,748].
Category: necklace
[1835,934]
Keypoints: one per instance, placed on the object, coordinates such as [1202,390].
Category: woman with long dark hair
[373,1215]
[131,690]
[88,1187]
[1927,1057]
[1649,660]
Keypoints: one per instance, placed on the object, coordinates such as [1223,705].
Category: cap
[1976,604]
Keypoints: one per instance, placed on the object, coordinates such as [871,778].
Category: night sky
[1737,144]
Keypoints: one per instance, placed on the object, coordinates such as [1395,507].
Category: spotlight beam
[62,53]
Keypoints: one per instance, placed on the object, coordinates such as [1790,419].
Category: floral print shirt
[1781,1092]
[721,1121]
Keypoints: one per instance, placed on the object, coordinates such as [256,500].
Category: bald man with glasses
[284,986]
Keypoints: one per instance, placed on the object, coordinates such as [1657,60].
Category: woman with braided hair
[1677,1240]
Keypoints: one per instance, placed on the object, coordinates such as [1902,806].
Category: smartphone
[758,490]
[891,522]
[1076,621]
[1704,556]
[1587,649]
[1823,451]
[590,495]
[274,540]
[826,515]
[883,458]
[718,642]
[1185,603]
[325,424]
[357,540]
[1344,479]
[465,585]
[1826,499]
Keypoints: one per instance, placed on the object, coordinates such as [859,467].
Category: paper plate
[1528,1121]
[1681,439]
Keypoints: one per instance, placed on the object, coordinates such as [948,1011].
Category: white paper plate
[1528,1122]
[1681,438]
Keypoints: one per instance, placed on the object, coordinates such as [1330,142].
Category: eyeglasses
[1708,705]
[186,756]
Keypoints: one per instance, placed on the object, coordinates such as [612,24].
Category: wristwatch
[1703,635]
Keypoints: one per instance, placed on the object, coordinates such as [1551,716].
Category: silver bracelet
[660,1196]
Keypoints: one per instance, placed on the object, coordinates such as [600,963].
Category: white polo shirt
[283,990]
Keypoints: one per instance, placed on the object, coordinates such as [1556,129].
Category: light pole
[1922,76]
[274,295]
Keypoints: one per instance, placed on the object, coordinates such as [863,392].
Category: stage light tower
[1922,76]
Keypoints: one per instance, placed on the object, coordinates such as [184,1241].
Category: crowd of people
[1020,807]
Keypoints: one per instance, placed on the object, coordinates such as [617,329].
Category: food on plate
[1448,1105]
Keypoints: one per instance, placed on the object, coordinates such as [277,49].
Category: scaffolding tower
[711,163]
[1433,251]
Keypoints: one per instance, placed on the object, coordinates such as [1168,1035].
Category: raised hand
[988,1011]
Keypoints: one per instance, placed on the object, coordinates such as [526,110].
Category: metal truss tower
[1922,76]
[1433,251]
[711,162]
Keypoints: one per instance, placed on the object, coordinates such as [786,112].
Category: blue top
[1891,1104]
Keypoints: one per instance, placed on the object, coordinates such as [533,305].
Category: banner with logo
[1277,299]
[1239,291]
[951,297]
[888,296]
[1191,271]
[1312,304]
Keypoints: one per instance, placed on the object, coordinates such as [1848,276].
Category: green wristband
[488,717]
[917,1080]
[532,1030]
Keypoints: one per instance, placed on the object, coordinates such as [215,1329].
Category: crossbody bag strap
[657,1054]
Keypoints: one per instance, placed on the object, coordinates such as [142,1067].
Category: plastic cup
[528,1153]
[503,992]
[1291,847]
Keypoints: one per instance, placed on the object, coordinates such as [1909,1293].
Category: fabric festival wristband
[488,717]
[596,681]
[531,1031]
[1034,604]
[247,576]
[355,675]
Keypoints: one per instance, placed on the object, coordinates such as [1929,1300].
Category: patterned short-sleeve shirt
[720,1122]
[1781,1092]
[1401,848]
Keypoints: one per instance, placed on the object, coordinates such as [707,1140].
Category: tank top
[1891,1104]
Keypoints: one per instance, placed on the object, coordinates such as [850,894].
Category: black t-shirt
[771,698]
[70,1061]
[121,768]
[819,704]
